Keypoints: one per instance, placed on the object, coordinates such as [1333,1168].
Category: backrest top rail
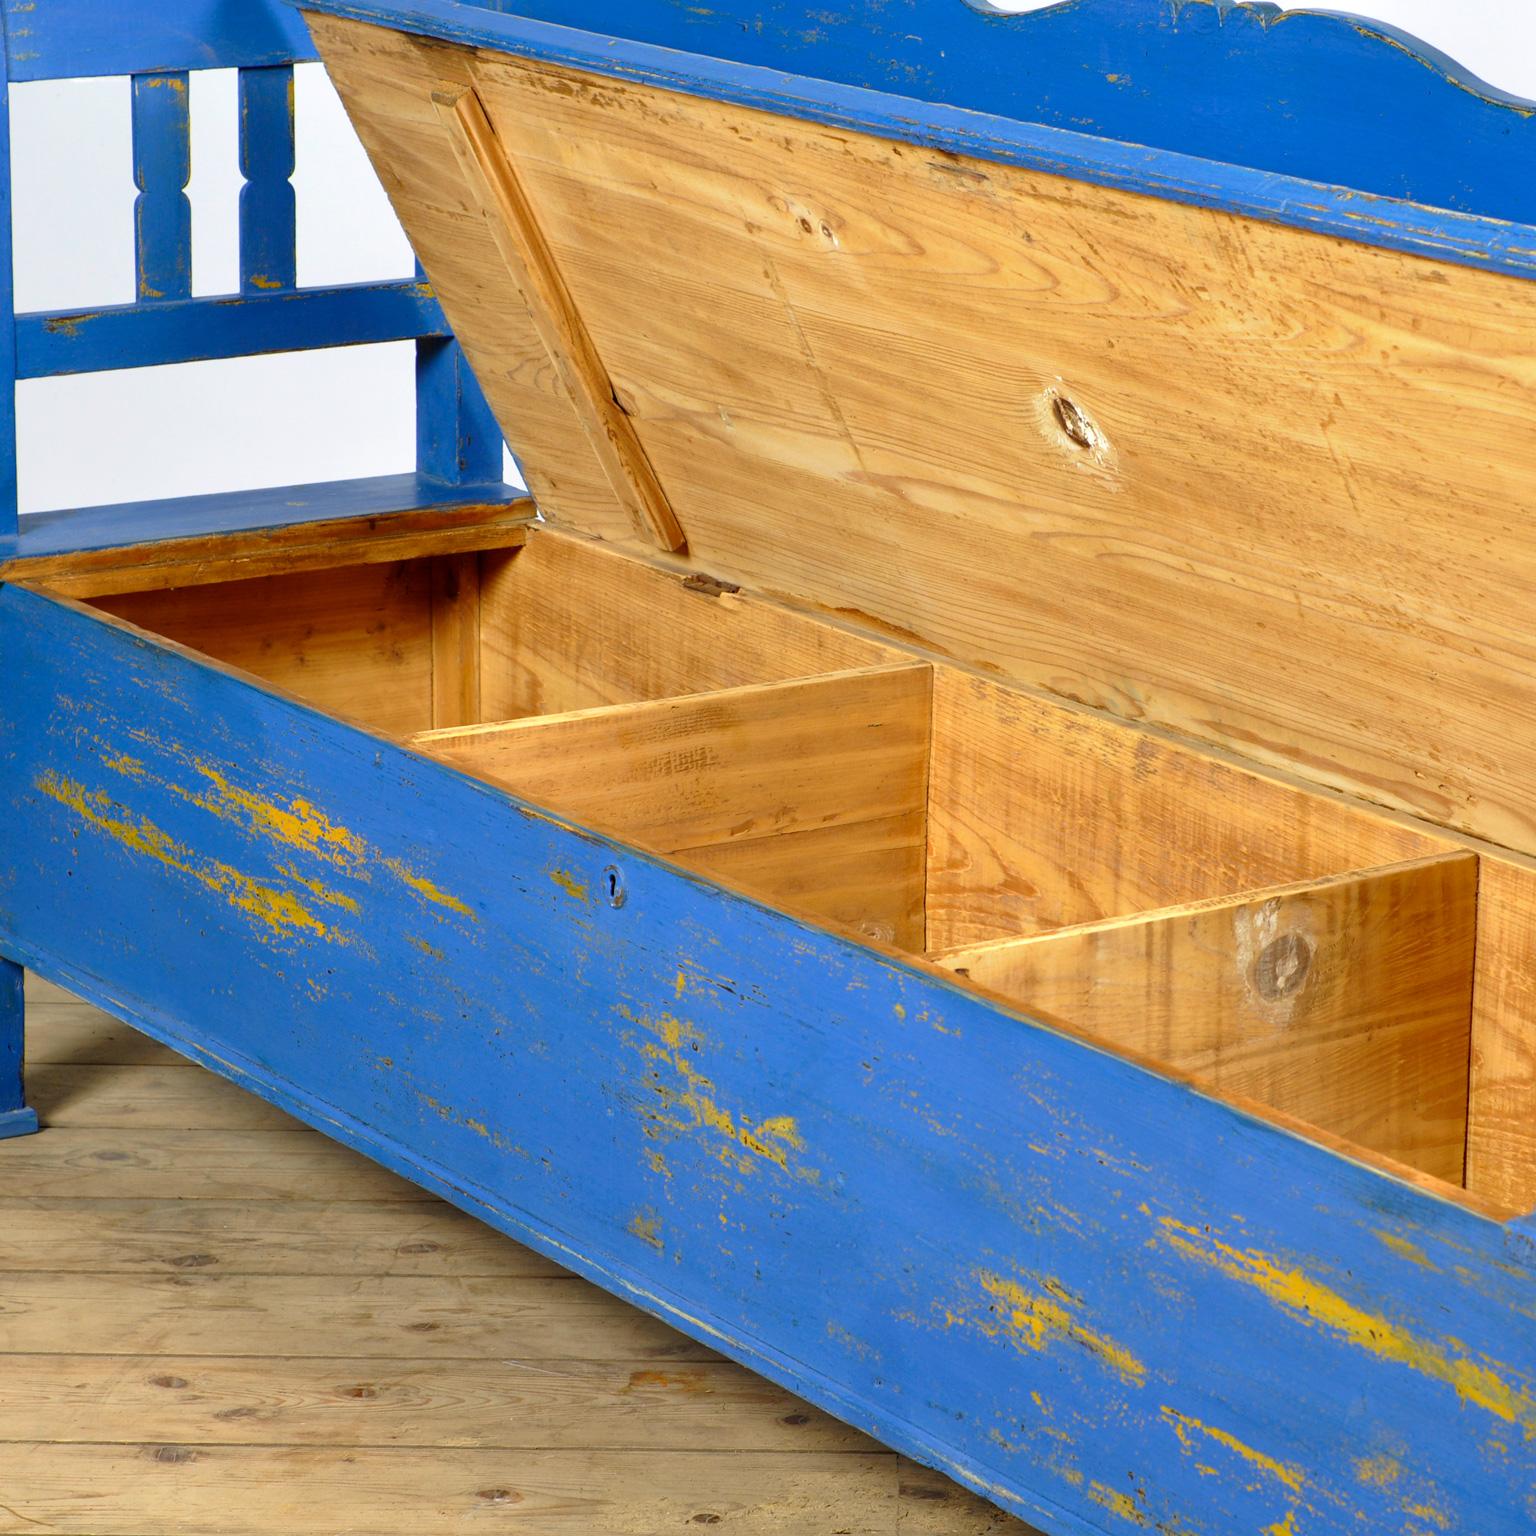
[80,39]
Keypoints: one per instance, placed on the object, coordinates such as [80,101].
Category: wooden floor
[215,1321]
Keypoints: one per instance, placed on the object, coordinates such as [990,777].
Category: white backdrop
[277,421]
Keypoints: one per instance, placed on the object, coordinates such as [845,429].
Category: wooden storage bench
[973,847]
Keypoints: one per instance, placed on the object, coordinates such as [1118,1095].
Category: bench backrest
[156,43]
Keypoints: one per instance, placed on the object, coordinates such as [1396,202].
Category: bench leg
[15,1118]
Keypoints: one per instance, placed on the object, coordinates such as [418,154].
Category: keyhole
[613,884]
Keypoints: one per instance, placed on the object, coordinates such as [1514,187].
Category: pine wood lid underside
[1257,485]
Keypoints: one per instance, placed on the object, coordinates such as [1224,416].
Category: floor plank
[78,1035]
[79,1490]
[486,1404]
[256,1238]
[162,1097]
[85,1163]
[215,1322]
[453,1318]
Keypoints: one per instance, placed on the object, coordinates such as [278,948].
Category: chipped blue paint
[63,39]
[459,463]
[1301,118]
[162,167]
[268,208]
[16,1119]
[1103,1300]
[190,330]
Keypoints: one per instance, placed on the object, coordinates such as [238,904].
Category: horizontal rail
[238,325]
[75,531]
[75,39]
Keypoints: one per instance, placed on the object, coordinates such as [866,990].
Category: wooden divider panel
[1346,1003]
[568,623]
[811,794]
[1042,816]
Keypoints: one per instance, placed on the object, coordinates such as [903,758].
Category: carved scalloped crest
[1327,97]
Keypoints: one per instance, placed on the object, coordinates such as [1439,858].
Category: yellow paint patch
[1123,1505]
[319,890]
[1378,1471]
[647,1227]
[1315,1303]
[1406,1250]
[120,762]
[424,887]
[280,911]
[691,1103]
[470,1123]
[1286,1527]
[298,824]
[1184,1426]
[1034,1321]
[570,885]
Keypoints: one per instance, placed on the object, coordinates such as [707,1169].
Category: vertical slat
[458,441]
[268,219]
[15,1118]
[162,167]
[8,518]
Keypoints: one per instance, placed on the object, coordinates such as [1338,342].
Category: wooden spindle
[268,210]
[162,167]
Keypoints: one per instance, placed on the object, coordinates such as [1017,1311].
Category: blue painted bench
[1127,410]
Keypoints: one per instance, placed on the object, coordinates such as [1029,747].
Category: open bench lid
[938,364]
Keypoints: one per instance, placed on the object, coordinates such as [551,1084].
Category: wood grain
[835,767]
[1501,1134]
[111,1162]
[456,640]
[1346,1003]
[391,1317]
[493,179]
[1205,472]
[568,623]
[249,1491]
[176,1097]
[356,642]
[274,551]
[254,1237]
[452,1405]
[1042,816]
[75,1034]
[451,236]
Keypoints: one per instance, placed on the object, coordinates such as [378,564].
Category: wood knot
[173,1455]
[170,1383]
[1069,424]
[1282,967]
[499,1496]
